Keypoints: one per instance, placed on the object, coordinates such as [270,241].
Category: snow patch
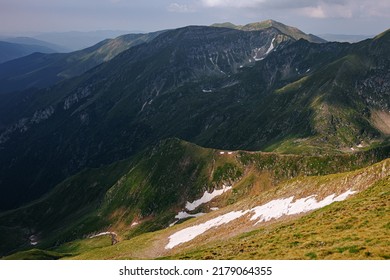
[206,197]
[103,233]
[207,90]
[221,153]
[214,208]
[266,212]
[174,223]
[33,240]
[183,215]
[190,233]
[143,106]
[271,47]
[281,207]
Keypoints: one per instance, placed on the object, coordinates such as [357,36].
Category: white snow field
[263,213]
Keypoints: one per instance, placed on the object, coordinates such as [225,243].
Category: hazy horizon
[26,18]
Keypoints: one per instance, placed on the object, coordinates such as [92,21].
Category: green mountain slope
[351,229]
[356,228]
[145,193]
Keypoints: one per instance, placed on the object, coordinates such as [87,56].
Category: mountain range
[128,139]
[345,38]
[78,40]
[39,70]
[10,51]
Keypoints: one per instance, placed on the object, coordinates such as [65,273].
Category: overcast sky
[18,17]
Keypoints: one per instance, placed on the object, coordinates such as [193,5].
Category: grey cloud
[310,8]
[180,8]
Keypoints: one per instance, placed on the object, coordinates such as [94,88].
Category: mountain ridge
[44,70]
[10,51]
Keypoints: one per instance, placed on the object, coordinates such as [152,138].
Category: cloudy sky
[19,17]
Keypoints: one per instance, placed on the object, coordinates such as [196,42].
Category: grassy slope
[162,179]
[337,231]
[357,228]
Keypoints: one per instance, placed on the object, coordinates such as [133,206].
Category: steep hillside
[351,229]
[151,191]
[66,213]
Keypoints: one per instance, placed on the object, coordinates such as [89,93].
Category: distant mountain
[77,40]
[42,70]
[10,51]
[345,38]
[33,41]
[288,30]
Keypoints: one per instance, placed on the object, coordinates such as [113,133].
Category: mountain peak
[291,31]
[225,25]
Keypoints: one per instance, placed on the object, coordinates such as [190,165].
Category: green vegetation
[227,172]
[36,254]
